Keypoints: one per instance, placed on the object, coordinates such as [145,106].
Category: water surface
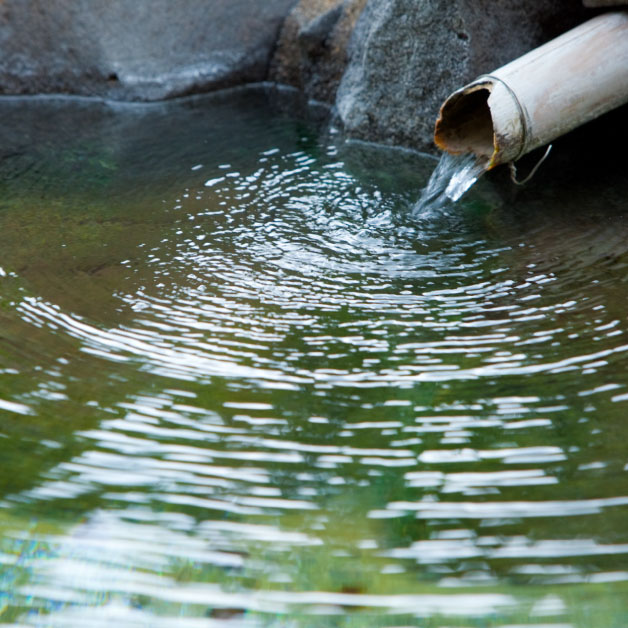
[240,384]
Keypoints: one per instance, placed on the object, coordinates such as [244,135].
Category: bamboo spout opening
[538,97]
[465,124]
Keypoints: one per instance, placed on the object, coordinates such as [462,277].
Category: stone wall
[387,65]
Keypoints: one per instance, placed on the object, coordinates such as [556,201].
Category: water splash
[451,178]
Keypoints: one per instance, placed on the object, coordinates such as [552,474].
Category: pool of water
[240,384]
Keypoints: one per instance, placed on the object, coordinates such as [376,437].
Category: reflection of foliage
[320,568]
[21,544]
[345,578]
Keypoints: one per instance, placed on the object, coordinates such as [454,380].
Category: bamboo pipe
[540,96]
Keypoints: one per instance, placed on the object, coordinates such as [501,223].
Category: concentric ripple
[241,385]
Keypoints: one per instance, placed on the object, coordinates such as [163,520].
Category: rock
[313,36]
[312,49]
[406,57]
[136,49]
[387,64]
[604,3]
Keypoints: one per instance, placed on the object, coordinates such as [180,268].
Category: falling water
[451,178]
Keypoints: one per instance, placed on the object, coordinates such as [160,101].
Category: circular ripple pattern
[239,384]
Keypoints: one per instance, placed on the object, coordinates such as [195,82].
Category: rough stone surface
[312,49]
[136,49]
[387,64]
[407,56]
[604,3]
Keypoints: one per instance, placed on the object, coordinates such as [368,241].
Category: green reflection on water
[240,384]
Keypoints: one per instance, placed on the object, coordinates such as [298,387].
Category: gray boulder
[136,49]
[406,56]
[312,48]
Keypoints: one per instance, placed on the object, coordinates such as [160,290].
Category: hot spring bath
[241,385]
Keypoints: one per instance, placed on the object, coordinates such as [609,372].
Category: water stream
[453,176]
[240,385]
